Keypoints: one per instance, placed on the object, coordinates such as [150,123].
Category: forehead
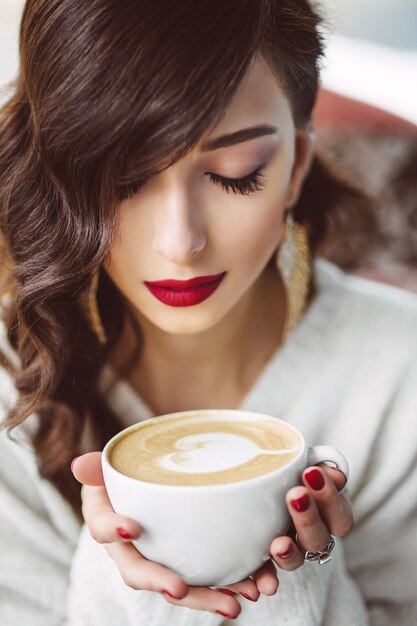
[259,98]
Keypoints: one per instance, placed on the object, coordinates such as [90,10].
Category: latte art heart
[204,448]
[214,452]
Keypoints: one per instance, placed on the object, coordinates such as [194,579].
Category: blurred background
[372,52]
[371,55]
[387,22]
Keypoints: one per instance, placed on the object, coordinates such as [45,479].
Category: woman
[155,141]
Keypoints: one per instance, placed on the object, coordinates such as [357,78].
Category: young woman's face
[184,224]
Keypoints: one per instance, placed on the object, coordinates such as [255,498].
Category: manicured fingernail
[229,592]
[225,615]
[123,533]
[73,461]
[315,479]
[301,504]
[286,553]
[247,597]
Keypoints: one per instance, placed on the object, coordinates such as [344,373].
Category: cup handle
[330,456]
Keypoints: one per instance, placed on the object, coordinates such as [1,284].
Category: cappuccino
[220,532]
[204,448]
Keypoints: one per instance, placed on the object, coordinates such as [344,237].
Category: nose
[179,233]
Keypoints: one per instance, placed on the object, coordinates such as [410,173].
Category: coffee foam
[203,449]
[213,452]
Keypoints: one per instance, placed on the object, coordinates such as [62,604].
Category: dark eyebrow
[245,134]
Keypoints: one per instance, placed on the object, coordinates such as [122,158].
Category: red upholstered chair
[336,115]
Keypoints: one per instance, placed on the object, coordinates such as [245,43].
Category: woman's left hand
[318,510]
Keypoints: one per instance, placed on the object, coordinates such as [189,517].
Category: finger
[104,525]
[336,475]
[139,573]
[246,588]
[334,510]
[87,469]
[339,479]
[266,579]
[207,599]
[312,533]
[286,554]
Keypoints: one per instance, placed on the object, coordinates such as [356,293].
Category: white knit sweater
[347,376]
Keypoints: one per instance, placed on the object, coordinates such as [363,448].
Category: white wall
[387,22]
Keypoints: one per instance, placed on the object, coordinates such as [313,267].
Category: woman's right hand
[108,528]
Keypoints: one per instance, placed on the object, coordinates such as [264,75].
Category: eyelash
[244,186]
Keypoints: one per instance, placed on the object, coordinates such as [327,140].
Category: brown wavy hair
[107,95]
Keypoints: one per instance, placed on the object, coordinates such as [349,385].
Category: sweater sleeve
[381,551]
[38,534]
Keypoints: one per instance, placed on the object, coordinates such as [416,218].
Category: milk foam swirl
[213,452]
[204,449]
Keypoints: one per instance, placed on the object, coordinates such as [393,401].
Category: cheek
[125,252]
[251,227]
[266,220]
[257,234]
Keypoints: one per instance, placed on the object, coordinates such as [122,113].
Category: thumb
[87,469]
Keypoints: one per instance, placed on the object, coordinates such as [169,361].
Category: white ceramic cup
[212,535]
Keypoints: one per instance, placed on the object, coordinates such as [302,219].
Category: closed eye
[245,186]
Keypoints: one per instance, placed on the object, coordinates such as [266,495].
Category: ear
[305,140]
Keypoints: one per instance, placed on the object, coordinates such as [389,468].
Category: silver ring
[322,556]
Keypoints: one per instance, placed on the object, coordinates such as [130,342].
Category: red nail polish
[247,597]
[285,553]
[229,592]
[73,461]
[301,504]
[225,614]
[123,533]
[315,479]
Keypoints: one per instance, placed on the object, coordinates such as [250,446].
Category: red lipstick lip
[185,297]
[184,284]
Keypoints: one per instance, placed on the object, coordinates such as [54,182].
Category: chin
[185,321]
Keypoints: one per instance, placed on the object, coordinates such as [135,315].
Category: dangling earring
[293,261]
[90,306]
